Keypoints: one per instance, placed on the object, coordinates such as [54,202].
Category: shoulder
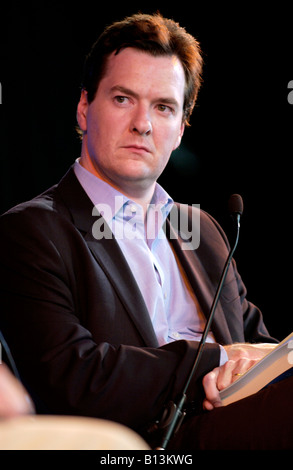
[39,206]
[209,230]
[50,203]
[30,222]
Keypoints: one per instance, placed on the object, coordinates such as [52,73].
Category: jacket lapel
[201,284]
[108,254]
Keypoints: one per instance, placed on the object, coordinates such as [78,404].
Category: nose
[141,121]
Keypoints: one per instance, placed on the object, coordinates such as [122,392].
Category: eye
[121,99]
[163,108]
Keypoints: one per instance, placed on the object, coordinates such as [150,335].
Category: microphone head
[235,204]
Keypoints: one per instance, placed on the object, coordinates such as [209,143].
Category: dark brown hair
[155,35]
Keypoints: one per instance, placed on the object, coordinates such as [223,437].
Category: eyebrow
[128,91]
[124,90]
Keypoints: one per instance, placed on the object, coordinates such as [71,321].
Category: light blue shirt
[171,303]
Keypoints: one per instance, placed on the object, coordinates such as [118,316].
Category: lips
[137,148]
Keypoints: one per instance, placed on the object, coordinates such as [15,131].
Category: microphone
[174,414]
[235,204]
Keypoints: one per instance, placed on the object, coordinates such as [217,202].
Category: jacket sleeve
[56,354]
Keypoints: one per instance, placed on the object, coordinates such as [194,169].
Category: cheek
[106,127]
[98,134]
[169,139]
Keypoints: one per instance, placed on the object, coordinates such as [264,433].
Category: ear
[180,135]
[82,109]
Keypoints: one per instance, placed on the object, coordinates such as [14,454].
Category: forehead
[145,72]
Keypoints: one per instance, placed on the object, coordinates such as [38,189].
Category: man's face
[135,120]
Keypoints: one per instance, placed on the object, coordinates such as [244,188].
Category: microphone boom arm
[174,414]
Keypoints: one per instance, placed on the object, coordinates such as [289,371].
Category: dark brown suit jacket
[76,320]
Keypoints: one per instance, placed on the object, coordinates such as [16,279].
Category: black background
[240,139]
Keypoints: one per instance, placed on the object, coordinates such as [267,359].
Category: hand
[14,399]
[240,358]
[221,377]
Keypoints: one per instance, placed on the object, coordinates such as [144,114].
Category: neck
[131,189]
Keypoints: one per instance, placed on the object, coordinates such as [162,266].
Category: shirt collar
[110,201]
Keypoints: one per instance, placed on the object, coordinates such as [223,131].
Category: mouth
[140,149]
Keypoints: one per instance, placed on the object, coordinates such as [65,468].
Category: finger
[242,366]
[226,374]
[212,399]
[207,405]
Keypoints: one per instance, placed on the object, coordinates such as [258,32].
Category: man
[103,309]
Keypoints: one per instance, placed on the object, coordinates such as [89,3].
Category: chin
[136,172]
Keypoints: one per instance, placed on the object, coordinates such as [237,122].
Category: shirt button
[176,335]
[133,208]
